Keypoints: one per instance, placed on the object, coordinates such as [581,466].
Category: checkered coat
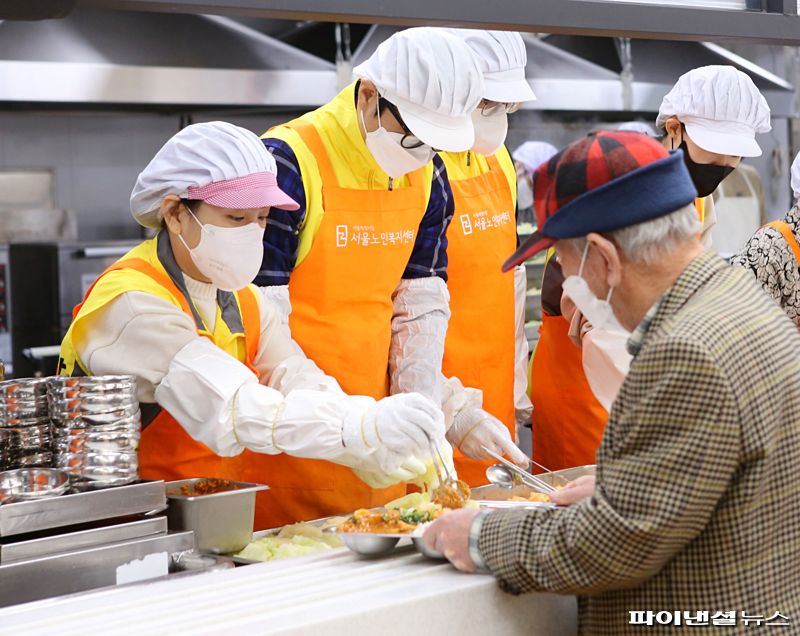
[697,504]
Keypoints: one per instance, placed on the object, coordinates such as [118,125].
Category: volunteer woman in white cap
[773,255]
[713,114]
[216,372]
[363,261]
[486,347]
[527,157]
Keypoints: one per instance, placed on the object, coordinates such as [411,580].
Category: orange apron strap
[700,205]
[140,265]
[786,232]
[494,163]
[310,136]
[251,321]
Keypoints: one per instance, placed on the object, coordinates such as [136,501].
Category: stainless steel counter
[332,593]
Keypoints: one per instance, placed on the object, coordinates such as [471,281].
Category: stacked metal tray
[26,438]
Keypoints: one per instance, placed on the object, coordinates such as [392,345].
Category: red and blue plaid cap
[605,181]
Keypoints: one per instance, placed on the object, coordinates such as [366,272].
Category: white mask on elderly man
[385,147]
[597,311]
[230,257]
[490,131]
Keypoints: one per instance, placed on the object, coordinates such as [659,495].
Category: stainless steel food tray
[57,512]
[81,540]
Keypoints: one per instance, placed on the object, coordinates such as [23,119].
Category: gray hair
[654,240]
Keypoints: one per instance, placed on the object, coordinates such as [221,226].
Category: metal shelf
[580,17]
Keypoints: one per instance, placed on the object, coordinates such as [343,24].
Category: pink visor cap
[258,190]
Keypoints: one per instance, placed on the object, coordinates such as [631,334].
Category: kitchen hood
[152,59]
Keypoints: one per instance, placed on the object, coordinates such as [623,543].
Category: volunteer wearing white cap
[773,255]
[713,114]
[527,157]
[486,347]
[363,261]
[216,372]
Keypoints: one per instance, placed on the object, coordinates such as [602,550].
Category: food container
[496,497]
[30,437]
[129,424]
[57,382]
[24,410]
[86,390]
[28,460]
[16,422]
[369,544]
[81,418]
[222,521]
[32,483]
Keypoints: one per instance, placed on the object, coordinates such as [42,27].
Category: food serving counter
[335,592]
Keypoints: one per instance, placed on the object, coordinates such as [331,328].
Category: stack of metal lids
[97,426]
[26,437]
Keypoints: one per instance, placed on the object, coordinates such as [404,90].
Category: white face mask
[230,257]
[490,132]
[524,194]
[597,311]
[394,160]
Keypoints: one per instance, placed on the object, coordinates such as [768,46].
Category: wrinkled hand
[574,491]
[475,428]
[449,535]
[409,471]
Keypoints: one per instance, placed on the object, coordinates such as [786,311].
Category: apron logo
[341,236]
[466,224]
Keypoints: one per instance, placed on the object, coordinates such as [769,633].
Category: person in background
[360,270]
[486,348]
[641,127]
[713,113]
[772,255]
[697,495]
[527,157]
[215,372]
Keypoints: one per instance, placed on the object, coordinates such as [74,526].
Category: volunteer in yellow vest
[363,265]
[486,347]
[713,114]
[772,255]
[216,372]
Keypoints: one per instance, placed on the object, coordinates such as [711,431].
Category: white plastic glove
[409,471]
[473,429]
[394,428]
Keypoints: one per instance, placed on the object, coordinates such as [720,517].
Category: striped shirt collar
[699,270]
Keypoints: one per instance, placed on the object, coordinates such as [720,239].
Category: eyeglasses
[489,108]
[409,141]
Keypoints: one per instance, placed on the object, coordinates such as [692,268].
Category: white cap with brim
[723,137]
[502,58]
[433,79]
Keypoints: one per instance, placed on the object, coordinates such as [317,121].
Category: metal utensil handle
[528,478]
[441,475]
[563,480]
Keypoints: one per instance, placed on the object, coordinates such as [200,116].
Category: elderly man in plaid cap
[697,497]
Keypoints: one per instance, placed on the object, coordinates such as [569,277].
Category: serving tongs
[439,465]
[527,478]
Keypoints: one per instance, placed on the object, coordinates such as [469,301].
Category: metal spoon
[501,477]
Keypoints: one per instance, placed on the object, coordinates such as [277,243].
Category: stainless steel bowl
[29,436]
[90,441]
[16,422]
[67,418]
[23,411]
[108,468]
[33,483]
[42,459]
[24,388]
[63,381]
[79,391]
[129,423]
[369,544]
[424,550]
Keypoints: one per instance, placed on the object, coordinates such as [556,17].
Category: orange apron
[166,451]
[479,349]
[568,421]
[341,316]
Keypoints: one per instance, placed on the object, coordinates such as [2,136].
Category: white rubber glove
[410,470]
[522,401]
[393,429]
[473,429]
